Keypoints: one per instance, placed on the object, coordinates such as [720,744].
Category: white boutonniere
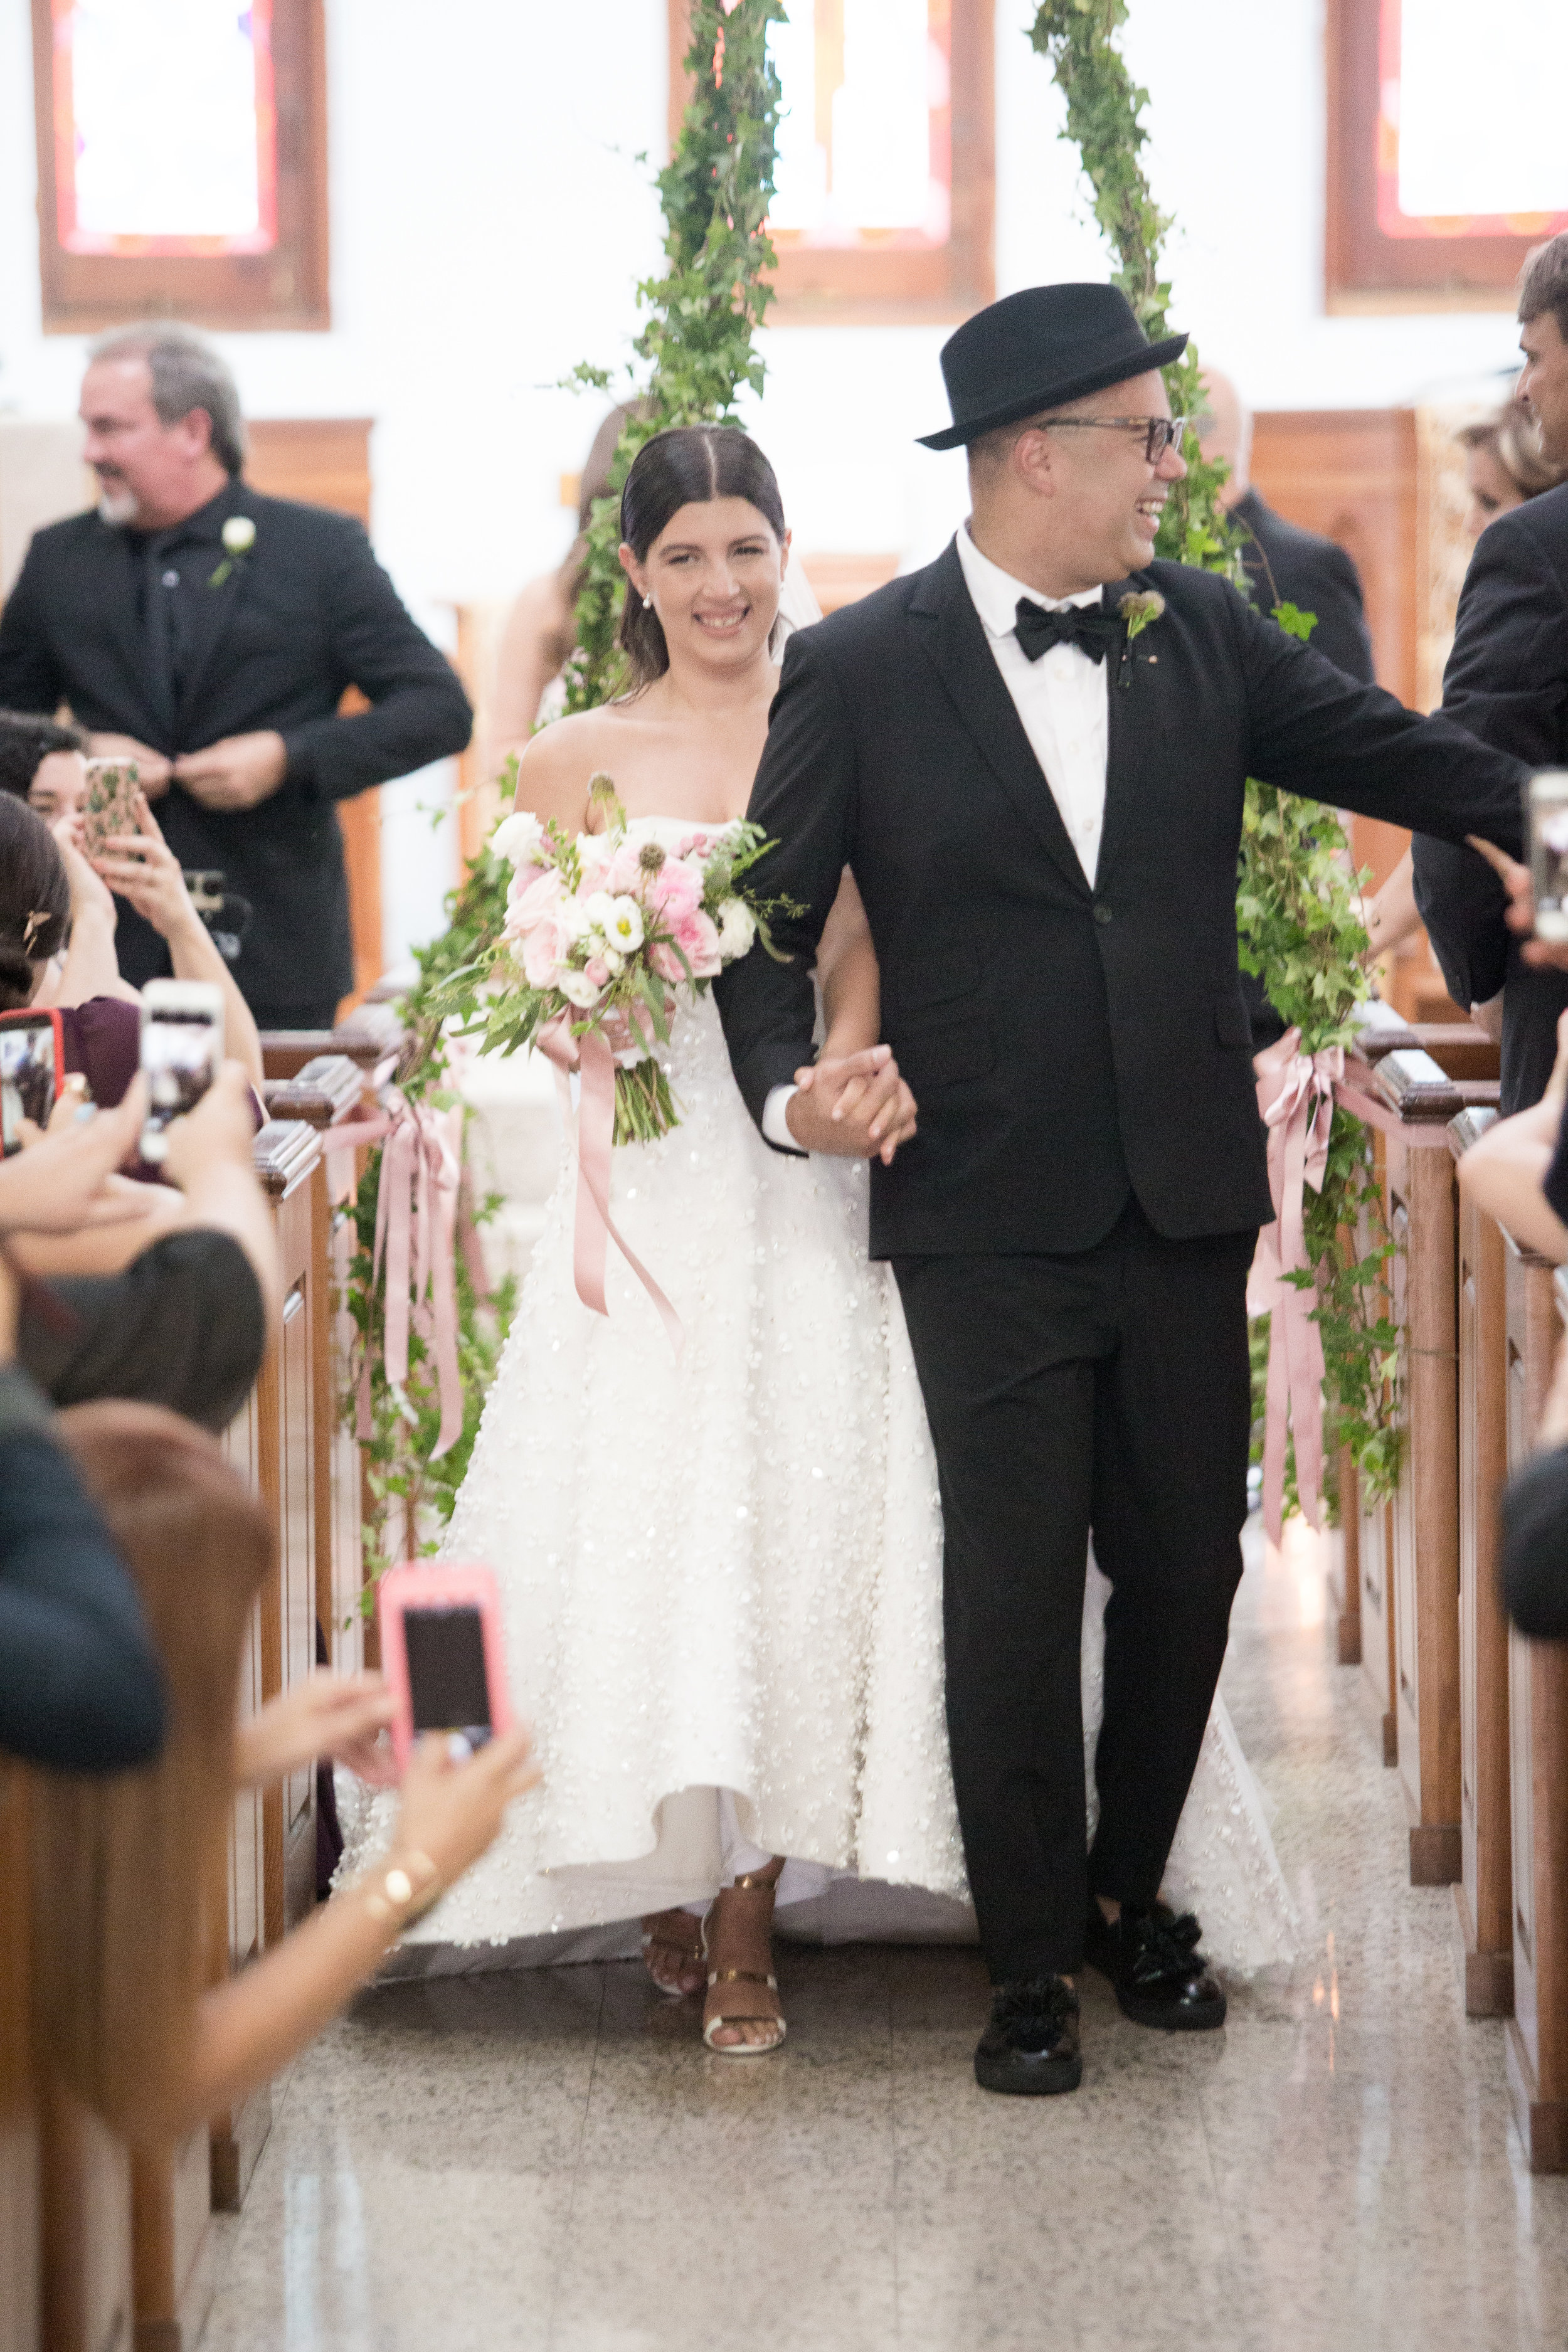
[238,538]
[1138,611]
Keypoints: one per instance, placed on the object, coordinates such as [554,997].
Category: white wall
[490,220]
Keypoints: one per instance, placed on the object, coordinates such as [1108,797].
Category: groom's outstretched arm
[803,799]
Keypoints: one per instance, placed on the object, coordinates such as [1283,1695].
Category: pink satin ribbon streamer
[416,1231]
[1296,1101]
[590,1057]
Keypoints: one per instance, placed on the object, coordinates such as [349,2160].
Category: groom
[1042,809]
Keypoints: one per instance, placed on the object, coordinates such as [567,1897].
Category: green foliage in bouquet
[697,345]
[1298,899]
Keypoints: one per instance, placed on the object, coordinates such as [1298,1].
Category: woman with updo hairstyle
[34,903]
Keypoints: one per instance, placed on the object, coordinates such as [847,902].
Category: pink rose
[543,952]
[676,890]
[625,877]
[698,938]
[597,970]
[665,962]
[530,898]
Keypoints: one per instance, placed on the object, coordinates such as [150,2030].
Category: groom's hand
[854,1106]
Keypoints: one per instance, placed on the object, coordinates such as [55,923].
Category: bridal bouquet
[602,929]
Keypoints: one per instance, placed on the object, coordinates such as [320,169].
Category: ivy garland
[698,348]
[1298,898]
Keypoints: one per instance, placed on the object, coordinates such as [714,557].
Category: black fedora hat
[1036,349]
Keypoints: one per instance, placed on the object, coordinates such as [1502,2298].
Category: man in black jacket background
[1507,681]
[209,633]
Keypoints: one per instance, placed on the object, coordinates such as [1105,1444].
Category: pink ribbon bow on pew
[415,1228]
[1296,1101]
[591,1056]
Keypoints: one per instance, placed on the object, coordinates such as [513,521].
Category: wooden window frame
[287,288]
[827,286]
[1365,269]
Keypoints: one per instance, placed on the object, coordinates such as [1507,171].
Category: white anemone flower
[518,838]
[617,921]
[737,928]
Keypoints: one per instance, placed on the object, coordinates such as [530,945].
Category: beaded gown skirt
[722,1576]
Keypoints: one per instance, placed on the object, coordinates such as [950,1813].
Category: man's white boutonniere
[1138,610]
[238,538]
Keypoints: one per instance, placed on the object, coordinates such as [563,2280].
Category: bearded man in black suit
[209,633]
[1507,681]
[1033,756]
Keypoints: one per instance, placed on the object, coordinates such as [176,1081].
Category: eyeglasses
[1160,432]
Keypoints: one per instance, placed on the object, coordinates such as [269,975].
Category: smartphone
[109,805]
[32,1072]
[441,1653]
[182,1052]
[1549,851]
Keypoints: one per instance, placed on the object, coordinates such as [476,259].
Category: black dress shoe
[1158,1973]
[1030,2046]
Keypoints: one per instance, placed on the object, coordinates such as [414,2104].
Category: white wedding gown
[722,1577]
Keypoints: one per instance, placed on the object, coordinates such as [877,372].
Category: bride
[721,1577]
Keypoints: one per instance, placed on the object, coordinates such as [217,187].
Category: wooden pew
[1424,1517]
[271,1863]
[326,1092]
[21,2226]
[1483,1897]
[1537,2046]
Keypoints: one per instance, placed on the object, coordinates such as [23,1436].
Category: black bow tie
[1088,627]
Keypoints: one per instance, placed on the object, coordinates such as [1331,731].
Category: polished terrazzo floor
[549,2160]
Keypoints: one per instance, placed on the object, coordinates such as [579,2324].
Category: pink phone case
[432,1584]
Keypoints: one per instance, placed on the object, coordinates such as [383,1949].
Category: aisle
[548,2160]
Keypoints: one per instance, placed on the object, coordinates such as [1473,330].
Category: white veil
[797,608]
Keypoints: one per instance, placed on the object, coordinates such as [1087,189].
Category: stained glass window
[865,137]
[165,130]
[1469,136]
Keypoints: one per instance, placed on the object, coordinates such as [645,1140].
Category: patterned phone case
[110,806]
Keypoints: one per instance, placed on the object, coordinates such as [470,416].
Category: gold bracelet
[403,1890]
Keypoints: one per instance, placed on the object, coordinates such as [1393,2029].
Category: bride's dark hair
[686,466]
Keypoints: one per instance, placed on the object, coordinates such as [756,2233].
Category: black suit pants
[1106,1390]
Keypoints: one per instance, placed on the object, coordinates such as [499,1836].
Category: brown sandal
[759,2008]
[679,1934]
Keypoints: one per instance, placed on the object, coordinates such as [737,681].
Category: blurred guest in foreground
[209,634]
[124,1866]
[1507,681]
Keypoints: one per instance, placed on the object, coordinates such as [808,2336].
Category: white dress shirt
[1063,702]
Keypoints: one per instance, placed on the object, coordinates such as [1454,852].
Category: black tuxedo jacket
[1287,565]
[1065,1042]
[1507,681]
[307,613]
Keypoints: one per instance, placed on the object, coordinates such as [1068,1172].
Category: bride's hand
[854,1106]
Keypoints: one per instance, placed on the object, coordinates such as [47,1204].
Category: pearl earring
[647,603]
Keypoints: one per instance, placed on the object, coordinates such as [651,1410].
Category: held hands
[236,773]
[854,1106]
[327,1714]
[452,1811]
[1521,913]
